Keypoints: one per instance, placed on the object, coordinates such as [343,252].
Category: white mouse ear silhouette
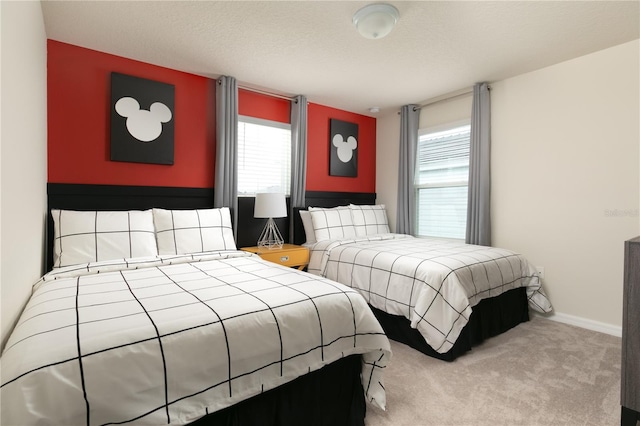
[352,142]
[337,140]
[161,112]
[127,106]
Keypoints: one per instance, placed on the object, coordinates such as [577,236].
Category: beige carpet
[540,373]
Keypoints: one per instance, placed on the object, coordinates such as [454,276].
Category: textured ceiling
[312,48]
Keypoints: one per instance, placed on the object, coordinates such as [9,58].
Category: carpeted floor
[540,373]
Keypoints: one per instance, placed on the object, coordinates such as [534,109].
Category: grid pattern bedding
[168,339]
[434,283]
[91,236]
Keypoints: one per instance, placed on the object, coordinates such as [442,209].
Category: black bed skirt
[489,318]
[331,396]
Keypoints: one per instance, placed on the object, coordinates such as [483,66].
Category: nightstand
[290,255]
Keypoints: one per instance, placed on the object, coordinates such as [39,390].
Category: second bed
[440,296]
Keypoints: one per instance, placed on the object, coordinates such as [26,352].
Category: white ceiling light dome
[376,20]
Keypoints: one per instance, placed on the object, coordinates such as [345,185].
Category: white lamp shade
[270,204]
[376,20]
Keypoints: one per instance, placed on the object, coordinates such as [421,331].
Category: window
[442,176]
[264,156]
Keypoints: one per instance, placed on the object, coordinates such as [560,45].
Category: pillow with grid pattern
[332,223]
[310,236]
[193,231]
[91,236]
[369,220]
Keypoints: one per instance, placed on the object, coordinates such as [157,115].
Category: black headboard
[120,197]
[117,197]
[327,199]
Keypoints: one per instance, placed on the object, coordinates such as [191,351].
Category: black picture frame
[142,120]
[343,148]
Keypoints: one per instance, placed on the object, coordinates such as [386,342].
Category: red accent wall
[318,178]
[78,126]
[78,105]
[257,105]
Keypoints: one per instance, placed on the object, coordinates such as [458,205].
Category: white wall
[387,148]
[565,172]
[565,176]
[23,155]
[446,111]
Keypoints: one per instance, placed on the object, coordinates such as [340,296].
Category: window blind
[264,156]
[442,176]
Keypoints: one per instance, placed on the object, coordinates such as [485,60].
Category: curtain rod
[263,92]
[446,97]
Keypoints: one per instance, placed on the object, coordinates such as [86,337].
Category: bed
[439,296]
[195,332]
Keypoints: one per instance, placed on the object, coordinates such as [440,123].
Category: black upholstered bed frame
[330,396]
[489,318]
[116,197]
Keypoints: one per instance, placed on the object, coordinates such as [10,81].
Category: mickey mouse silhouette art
[344,149]
[143,125]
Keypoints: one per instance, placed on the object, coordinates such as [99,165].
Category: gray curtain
[298,157]
[226,176]
[479,202]
[406,212]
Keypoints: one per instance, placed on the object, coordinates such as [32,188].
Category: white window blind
[442,176]
[264,156]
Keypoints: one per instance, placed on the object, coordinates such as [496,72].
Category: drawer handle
[284,258]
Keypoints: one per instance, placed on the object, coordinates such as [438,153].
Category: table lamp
[270,205]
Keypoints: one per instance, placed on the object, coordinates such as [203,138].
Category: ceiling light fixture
[376,20]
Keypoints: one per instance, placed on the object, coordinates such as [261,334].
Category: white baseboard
[602,327]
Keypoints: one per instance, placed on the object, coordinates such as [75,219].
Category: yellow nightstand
[289,255]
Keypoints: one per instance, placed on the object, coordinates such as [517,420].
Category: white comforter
[168,339]
[432,282]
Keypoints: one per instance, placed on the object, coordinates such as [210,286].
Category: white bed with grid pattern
[169,338]
[433,283]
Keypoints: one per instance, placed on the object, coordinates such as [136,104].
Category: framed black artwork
[343,148]
[142,120]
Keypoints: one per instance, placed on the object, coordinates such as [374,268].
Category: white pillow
[369,220]
[91,236]
[193,231]
[310,236]
[332,223]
